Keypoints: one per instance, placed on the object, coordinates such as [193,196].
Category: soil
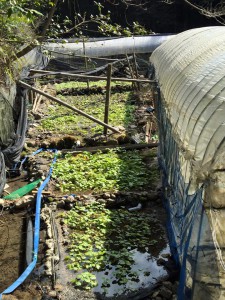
[11,247]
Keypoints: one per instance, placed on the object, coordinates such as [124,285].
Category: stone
[165,292]
[101,200]
[48,252]
[53,294]
[166,255]
[48,265]
[85,197]
[161,262]
[49,233]
[2,202]
[78,197]
[53,206]
[65,232]
[59,287]
[106,195]
[62,221]
[50,244]
[132,126]
[69,206]
[61,204]
[155,294]
[70,198]
[110,201]
[65,242]
[121,128]
[31,143]
[168,285]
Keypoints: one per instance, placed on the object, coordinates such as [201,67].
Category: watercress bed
[104,240]
[62,120]
[115,170]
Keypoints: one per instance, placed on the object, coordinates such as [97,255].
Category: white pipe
[109,47]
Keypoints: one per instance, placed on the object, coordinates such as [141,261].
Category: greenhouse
[190,72]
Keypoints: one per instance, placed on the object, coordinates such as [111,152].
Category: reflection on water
[147,271]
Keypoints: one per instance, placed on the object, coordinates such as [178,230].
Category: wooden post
[131,71]
[78,111]
[85,61]
[108,94]
[148,131]
[136,72]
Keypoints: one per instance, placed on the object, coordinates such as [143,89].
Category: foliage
[80,85]
[17,29]
[107,27]
[83,23]
[102,238]
[101,172]
[61,119]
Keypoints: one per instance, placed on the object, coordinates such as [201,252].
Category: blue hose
[31,266]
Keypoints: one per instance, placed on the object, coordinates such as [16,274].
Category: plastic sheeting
[13,112]
[190,69]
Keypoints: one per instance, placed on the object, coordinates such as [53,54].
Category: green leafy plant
[85,281]
[101,239]
[61,119]
[119,170]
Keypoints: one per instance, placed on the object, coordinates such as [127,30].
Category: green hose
[22,191]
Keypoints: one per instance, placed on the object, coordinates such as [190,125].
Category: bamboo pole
[91,77]
[37,100]
[108,94]
[25,85]
[147,132]
[131,71]
[136,71]
[85,62]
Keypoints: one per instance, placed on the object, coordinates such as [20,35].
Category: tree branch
[217,11]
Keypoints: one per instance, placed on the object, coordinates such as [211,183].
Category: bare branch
[212,11]
[137,3]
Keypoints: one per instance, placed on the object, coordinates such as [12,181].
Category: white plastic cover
[190,69]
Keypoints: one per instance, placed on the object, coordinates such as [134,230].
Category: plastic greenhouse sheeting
[190,70]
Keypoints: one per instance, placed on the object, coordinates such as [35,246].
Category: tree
[21,28]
